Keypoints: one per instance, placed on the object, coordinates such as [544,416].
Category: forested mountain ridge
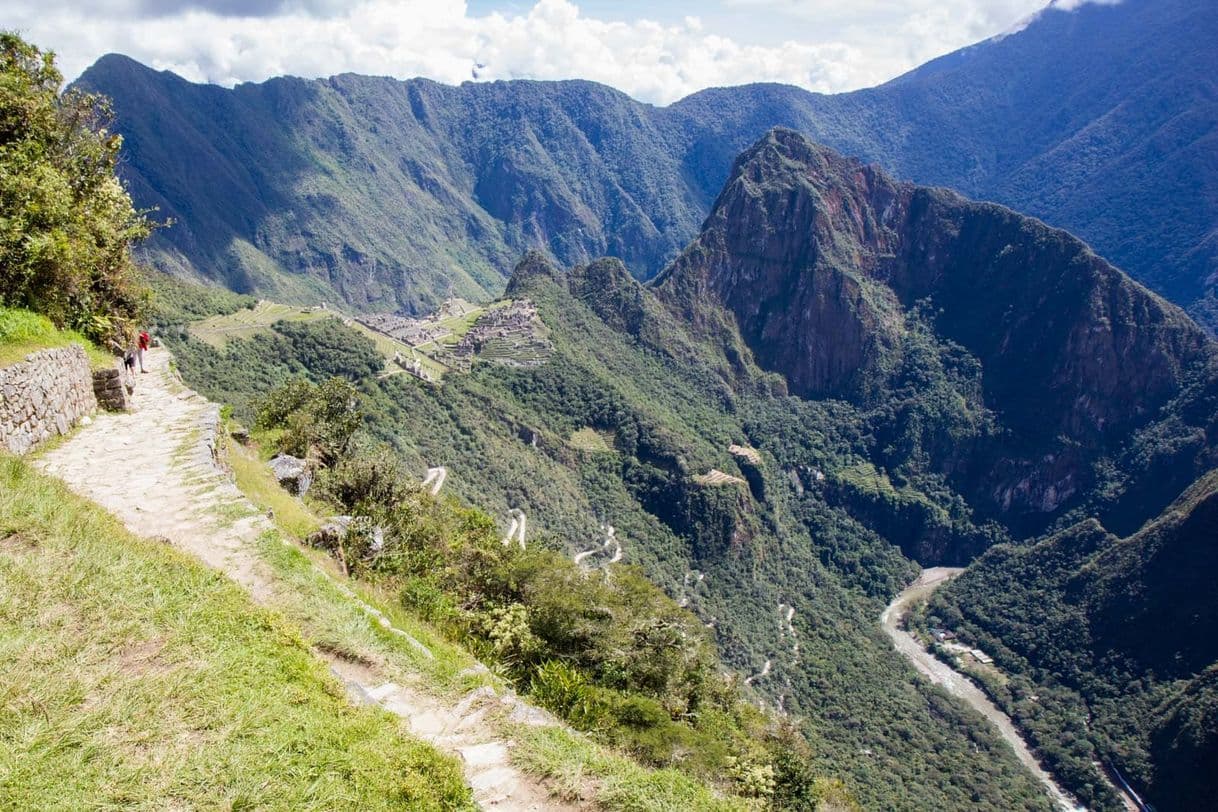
[1120,629]
[660,412]
[384,193]
[841,280]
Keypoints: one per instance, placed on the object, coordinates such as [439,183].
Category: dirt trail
[956,684]
[154,468]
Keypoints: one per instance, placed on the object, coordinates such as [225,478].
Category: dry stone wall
[112,387]
[44,396]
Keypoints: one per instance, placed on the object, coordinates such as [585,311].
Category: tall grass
[134,677]
[23,332]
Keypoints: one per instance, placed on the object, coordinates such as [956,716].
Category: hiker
[145,341]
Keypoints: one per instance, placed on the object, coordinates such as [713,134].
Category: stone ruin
[512,335]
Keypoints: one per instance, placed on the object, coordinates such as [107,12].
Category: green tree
[66,222]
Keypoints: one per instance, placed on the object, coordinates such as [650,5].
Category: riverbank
[955,683]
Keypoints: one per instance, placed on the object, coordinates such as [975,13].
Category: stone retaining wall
[44,396]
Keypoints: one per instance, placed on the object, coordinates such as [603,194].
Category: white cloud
[229,41]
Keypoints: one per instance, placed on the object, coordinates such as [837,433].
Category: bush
[318,421]
[369,479]
[507,628]
[66,222]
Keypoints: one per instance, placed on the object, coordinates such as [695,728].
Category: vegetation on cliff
[744,501]
[1109,644]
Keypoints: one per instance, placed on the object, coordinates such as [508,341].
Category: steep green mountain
[851,285]
[515,437]
[385,193]
[1118,632]
[1036,382]
[840,374]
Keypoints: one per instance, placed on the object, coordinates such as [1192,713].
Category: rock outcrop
[835,274]
[293,473]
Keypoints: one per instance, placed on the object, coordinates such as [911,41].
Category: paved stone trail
[154,468]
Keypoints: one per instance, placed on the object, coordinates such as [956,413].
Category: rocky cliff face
[829,267]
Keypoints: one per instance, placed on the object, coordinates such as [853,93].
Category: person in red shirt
[145,341]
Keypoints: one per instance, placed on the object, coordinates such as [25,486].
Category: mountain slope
[626,372]
[1126,625]
[829,269]
[382,192]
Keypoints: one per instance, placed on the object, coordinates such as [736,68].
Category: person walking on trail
[145,341]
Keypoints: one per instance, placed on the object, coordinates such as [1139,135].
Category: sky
[655,51]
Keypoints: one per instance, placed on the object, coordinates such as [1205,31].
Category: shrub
[66,222]
[369,478]
[753,779]
[507,628]
[318,420]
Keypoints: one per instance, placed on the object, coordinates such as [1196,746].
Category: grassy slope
[576,767]
[23,332]
[136,677]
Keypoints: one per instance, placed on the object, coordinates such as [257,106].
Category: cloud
[231,41]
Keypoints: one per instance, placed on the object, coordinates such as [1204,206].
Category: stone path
[155,469]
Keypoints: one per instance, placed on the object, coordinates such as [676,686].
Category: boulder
[330,534]
[293,473]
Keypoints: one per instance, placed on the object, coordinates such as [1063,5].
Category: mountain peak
[534,266]
[839,278]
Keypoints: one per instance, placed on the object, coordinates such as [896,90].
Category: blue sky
[656,52]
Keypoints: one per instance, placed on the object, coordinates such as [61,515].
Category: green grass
[589,439]
[134,677]
[23,332]
[259,485]
[389,347]
[245,323]
[573,764]
[328,617]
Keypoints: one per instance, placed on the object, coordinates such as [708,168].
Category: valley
[654,414]
[958,685]
[373,442]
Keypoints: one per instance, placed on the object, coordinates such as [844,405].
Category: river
[956,684]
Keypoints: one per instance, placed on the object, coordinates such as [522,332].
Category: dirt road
[957,684]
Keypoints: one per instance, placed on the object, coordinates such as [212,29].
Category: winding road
[955,683]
